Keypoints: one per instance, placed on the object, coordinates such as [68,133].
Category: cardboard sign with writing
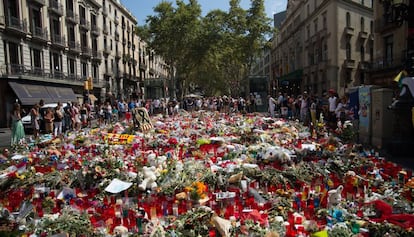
[142,119]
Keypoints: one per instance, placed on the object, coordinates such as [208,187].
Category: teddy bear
[275,153]
[150,176]
[335,196]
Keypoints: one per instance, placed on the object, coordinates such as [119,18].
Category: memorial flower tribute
[204,174]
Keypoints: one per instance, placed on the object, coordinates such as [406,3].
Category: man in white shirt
[332,107]
[272,105]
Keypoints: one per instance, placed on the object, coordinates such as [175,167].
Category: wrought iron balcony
[40,2]
[72,17]
[382,25]
[390,63]
[363,65]
[86,51]
[106,50]
[74,47]
[39,33]
[349,31]
[349,63]
[105,30]
[84,24]
[56,7]
[16,25]
[74,77]
[58,40]
[95,30]
[96,55]
[363,35]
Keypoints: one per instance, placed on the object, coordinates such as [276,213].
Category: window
[362,24]
[324,20]
[371,27]
[36,19]
[71,33]
[36,58]
[84,39]
[388,46]
[325,51]
[307,8]
[55,25]
[71,66]
[308,31]
[14,52]
[315,23]
[82,13]
[348,51]
[55,62]
[110,46]
[362,52]
[95,71]
[348,19]
[84,69]
[69,5]
[315,4]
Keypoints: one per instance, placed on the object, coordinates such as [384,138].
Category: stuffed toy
[384,212]
[335,196]
[150,176]
[274,153]
[121,231]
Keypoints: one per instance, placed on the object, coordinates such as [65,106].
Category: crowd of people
[73,116]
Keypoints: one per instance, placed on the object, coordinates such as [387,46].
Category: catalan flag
[399,77]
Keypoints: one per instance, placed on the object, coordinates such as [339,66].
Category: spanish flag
[399,77]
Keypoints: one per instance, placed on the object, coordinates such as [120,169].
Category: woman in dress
[17,134]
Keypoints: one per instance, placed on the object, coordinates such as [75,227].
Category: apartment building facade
[49,48]
[322,45]
[393,41]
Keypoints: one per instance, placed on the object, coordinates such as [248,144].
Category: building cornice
[125,11]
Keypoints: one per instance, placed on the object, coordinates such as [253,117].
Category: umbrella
[193,96]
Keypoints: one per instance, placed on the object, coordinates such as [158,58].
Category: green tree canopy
[216,51]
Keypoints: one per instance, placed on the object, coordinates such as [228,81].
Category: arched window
[348,19]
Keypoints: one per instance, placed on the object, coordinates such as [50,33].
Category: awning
[92,97]
[61,94]
[293,76]
[30,94]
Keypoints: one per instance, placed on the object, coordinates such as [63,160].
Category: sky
[142,8]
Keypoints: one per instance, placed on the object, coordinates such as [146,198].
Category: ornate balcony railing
[16,24]
[58,40]
[56,7]
[84,24]
[72,17]
[39,33]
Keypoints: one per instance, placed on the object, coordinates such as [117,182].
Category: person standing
[17,134]
[332,100]
[57,122]
[49,118]
[272,106]
[34,118]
